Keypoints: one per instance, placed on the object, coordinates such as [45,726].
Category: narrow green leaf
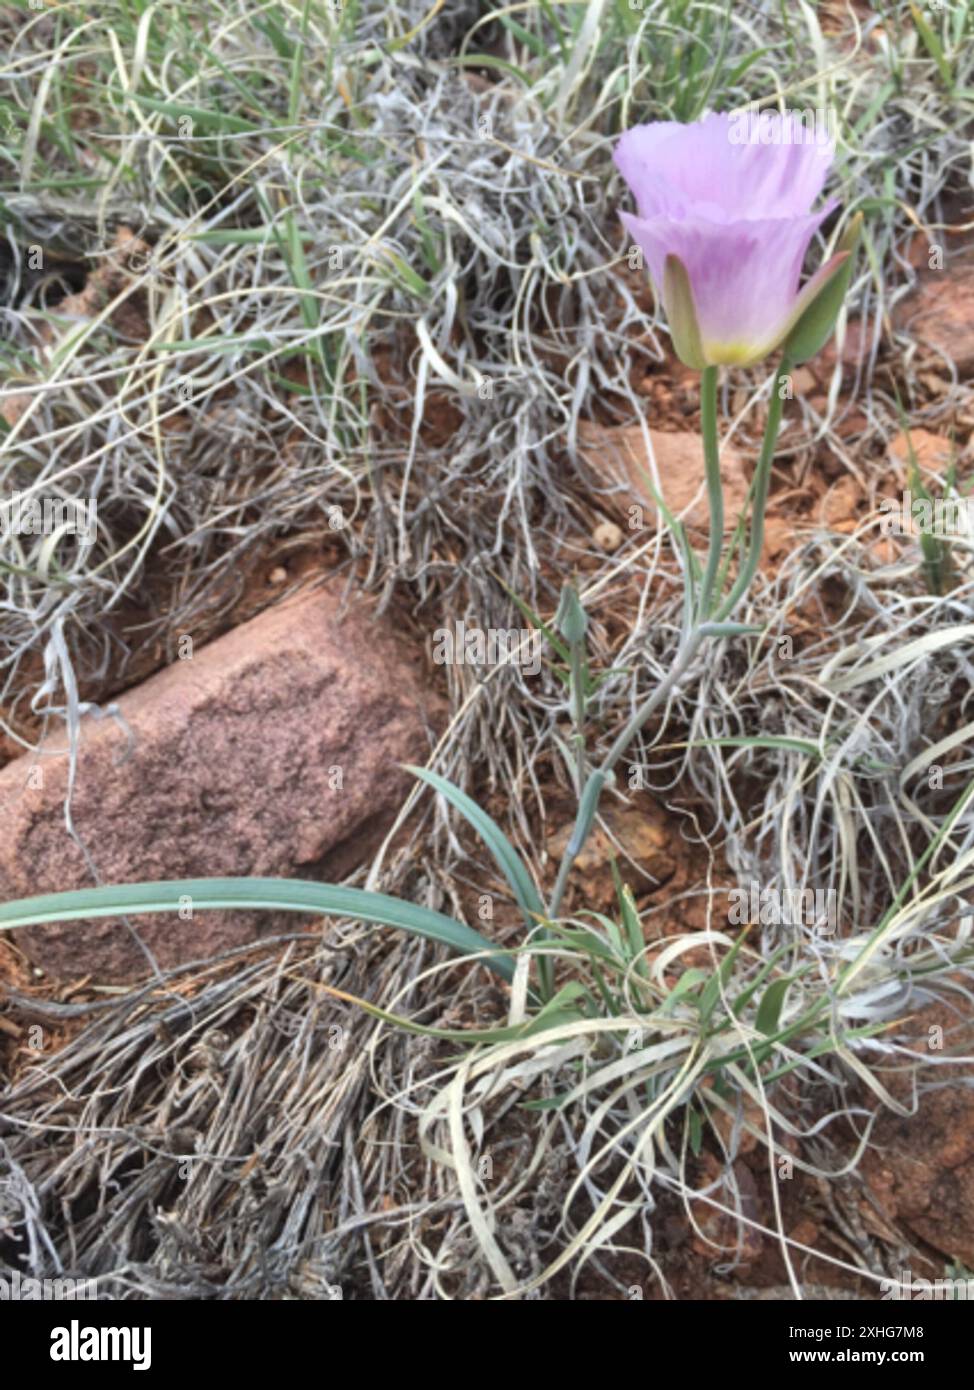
[558,646]
[730,630]
[687,982]
[695,1126]
[711,992]
[587,806]
[534,44]
[198,115]
[559,1006]
[282,44]
[933,45]
[232,236]
[740,1003]
[277,894]
[772,1002]
[828,1045]
[795,745]
[630,919]
[506,857]
[611,930]
[589,942]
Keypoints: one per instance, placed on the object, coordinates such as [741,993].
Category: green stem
[715,493]
[577,653]
[693,636]
[762,479]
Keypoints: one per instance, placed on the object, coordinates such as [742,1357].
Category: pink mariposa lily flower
[725,225]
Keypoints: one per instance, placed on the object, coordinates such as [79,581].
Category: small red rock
[620,455]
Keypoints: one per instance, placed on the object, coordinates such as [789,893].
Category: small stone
[781,536]
[752,1115]
[803,381]
[607,536]
[885,550]
[935,385]
[932,451]
[278,575]
[719,1231]
[850,424]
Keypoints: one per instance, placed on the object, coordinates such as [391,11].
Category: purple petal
[706,171]
[744,274]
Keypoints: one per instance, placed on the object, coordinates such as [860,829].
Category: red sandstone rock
[620,454]
[273,751]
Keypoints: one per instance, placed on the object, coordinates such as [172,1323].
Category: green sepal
[681,311]
[823,294]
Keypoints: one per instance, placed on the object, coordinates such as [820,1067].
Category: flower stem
[693,636]
[715,493]
[762,479]
[577,656]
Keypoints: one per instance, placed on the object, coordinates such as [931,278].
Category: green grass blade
[278,894]
[933,46]
[711,993]
[772,1002]
[506,857]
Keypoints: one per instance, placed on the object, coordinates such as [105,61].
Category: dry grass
[351,239]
